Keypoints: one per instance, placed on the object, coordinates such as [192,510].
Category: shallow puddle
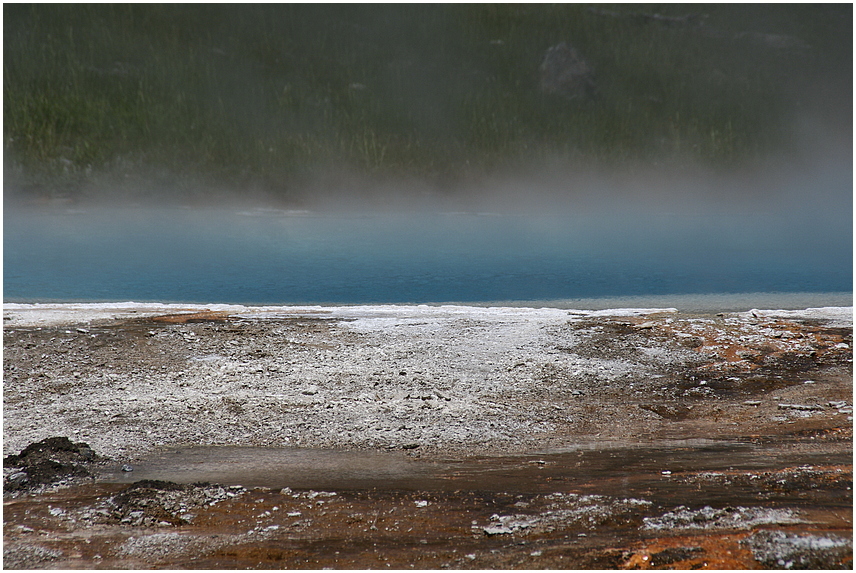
[610,468]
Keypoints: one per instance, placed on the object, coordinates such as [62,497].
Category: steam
[797,198]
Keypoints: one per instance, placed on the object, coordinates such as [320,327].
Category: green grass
[275,96]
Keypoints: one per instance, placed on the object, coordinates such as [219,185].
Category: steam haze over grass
[378,105]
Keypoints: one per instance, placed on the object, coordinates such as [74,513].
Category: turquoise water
[279,257]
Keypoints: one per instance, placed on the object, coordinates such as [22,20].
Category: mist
[643,136]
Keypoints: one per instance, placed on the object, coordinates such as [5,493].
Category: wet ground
[651,440]
[720,506]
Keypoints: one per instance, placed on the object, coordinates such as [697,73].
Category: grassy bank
[273,97]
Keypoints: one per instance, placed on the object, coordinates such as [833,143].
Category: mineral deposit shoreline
[129,379]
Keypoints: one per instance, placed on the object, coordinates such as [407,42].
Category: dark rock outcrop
[48,462]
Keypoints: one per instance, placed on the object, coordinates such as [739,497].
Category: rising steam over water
[266,256]
[714,157]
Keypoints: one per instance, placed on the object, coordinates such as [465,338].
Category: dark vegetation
[275,98]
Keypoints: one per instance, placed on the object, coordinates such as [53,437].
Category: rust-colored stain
[708,551]
[265,528]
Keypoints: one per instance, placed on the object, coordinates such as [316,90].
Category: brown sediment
[190,317]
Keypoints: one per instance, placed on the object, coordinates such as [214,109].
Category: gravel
[783,550]
[137,378]
[28,556]
[725,518]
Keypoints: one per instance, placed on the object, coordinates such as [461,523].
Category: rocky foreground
[121,384]
[452,378]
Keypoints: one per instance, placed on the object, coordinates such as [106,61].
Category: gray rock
[799,407]
[564,72]
[507,524]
